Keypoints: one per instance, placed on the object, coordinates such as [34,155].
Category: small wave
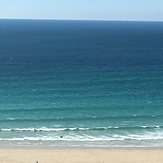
[87,138]
[11,119]
[44,129]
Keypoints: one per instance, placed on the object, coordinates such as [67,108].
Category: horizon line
[128,20]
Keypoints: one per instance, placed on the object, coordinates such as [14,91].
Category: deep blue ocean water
[81,83]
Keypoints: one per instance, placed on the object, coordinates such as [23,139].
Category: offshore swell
[81,83]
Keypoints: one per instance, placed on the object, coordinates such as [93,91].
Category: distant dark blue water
[73,83]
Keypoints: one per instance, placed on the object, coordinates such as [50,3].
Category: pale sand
[80,156]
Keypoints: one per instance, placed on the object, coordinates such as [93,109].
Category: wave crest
[44,129]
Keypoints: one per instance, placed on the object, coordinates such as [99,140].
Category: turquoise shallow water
[81,83]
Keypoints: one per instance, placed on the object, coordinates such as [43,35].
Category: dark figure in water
[61,136]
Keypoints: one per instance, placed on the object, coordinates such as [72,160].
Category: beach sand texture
[80,156]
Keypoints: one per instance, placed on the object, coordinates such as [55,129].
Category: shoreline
[47,147]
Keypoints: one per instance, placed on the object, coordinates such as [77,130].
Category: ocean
[81,83]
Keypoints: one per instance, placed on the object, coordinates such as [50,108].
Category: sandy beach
[81,156]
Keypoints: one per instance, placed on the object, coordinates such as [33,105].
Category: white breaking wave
[45,129]
[130,137]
